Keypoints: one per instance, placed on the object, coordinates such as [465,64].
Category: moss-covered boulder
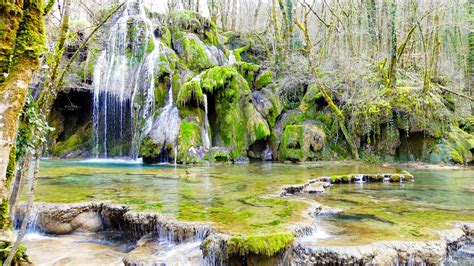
[193,22]
[192,50]
[456,147]
[302,142]
[236,123]
[189,140]
[268,104]
[251,249]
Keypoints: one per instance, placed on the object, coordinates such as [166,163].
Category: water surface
[243,198]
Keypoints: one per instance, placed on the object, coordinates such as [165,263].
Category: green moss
[11,166]
[238,51]
[248,70]
[238,124]
[30,35]
[395,178]
[292,143]
[218,155]
[166,36]
[265,245]
[263,79]
[80,139]
[149,149]
[189,136]
[455,147]
[190,21]
[191,91]
[194,53]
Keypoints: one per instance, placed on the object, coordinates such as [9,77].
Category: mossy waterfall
[236,132]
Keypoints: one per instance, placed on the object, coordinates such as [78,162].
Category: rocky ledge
[385,252]
[203,245]
[63,219]
[321,184]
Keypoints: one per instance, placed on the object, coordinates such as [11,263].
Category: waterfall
[124,83]
[205,128]
[95,118]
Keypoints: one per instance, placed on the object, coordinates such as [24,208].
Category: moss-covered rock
[193,22]
[265,245]
[237,123]
[455,147]
[237,247]
[263,79]
[193,52]
[268,104]
[77,145]
[189,137]
[302,142]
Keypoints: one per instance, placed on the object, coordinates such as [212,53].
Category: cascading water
[205,128]
[165,129]
[124,82]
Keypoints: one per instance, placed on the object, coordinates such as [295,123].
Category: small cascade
[205,128]
[232,59]
[124,82]
[33,222]
[165,129]
[267,153]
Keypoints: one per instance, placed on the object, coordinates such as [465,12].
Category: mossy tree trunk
[22,41]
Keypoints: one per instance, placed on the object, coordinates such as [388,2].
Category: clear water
[243,198]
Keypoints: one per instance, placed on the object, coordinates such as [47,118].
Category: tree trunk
[29,206]
[28,39]
[392,71]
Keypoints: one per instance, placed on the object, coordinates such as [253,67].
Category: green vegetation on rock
[266,245]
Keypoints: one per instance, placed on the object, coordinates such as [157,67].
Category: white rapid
[124,82]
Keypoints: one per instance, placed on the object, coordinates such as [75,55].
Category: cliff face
[169,88]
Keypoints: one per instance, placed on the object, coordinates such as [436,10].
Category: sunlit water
[243,198]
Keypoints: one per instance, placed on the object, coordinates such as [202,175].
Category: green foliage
[33,128]
[20,256]
[264,245]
